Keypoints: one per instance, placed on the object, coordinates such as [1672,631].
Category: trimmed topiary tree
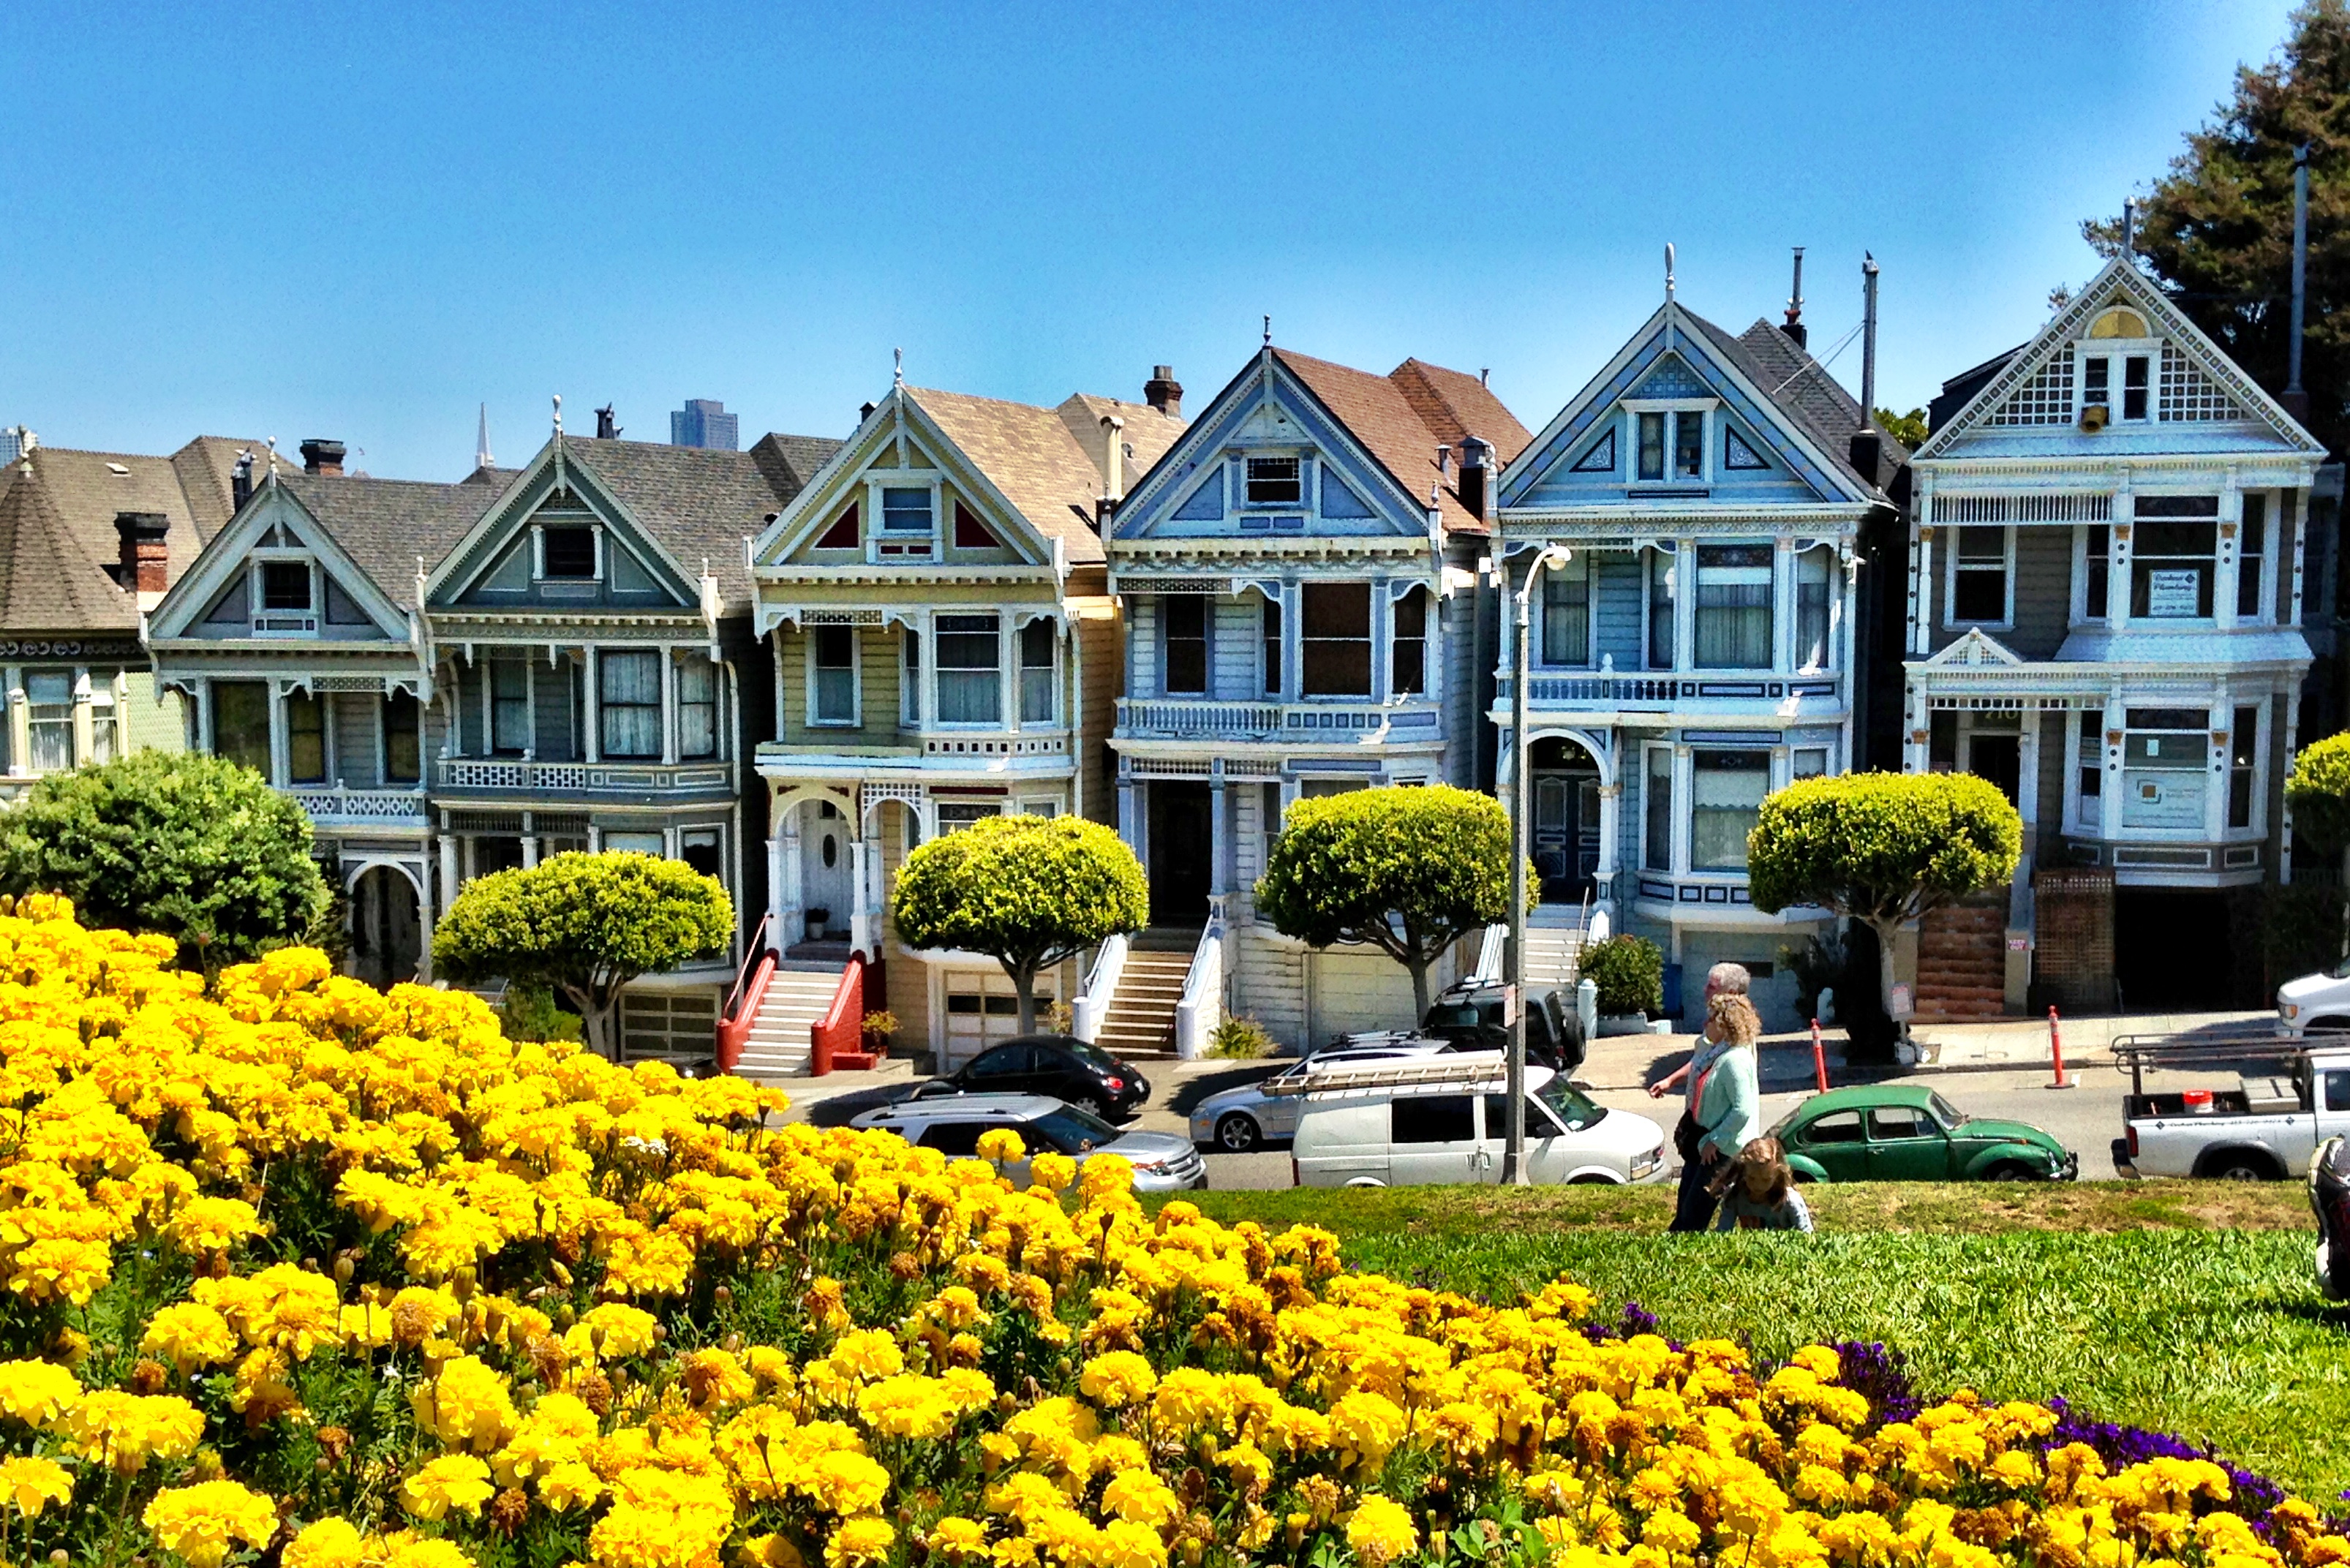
[1409,870]
[585,926]
[1881,848]
[1629,972]
[1028,891]
[2318,790]
[193,846]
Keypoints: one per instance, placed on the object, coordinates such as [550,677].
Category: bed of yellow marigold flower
[301,1272]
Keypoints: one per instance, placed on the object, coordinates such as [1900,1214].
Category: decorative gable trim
[556,472]
[1975,649]
[274,512]
[2034,391]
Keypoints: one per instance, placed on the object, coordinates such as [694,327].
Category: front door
[1179,843]
[387,935]
[824,871]
[1566,833]
[1997,759]
[1906,1144]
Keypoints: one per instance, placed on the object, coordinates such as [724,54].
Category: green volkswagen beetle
[1902,1133]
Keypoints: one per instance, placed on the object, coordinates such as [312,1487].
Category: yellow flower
[198,1523]
[1117,1379]
[859,1542]
[189,1336]
[37,1392]
[457,1481]
[30,1485]
[1002,1146]
[1380,1532]
[327,1543]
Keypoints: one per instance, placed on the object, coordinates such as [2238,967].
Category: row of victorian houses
[2096,584]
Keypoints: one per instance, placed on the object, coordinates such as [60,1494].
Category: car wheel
[1237,1133]
[2239,1165]
[2010,1170]
[1100,1106]
[1804,1178]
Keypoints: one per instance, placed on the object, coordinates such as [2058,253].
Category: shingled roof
[1033,456]
[700,503]
[386,525]
[58,507]
[1403,417]
[1814,399]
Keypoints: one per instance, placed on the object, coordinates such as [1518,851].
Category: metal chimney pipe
[1868,338]
[2300,264]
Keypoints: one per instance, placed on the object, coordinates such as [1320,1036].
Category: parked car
[1237,1120]
[2264,1130]
[1058,1066]
[952,1125]
[1443,1119]
[1469,1015]
[1899,1133]
[2316,1003]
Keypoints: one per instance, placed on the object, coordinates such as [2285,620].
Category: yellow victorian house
[946,647]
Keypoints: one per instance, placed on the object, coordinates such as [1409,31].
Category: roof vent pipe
[1797,333]
[1868,339]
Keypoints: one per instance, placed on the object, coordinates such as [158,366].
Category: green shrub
[1629,971]
[1238,1039]
[531,1012]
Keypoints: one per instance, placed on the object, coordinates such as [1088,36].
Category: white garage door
[1353,989]
[982,1008]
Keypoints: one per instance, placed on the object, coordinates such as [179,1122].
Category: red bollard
[1819,1058]
[2056,1052]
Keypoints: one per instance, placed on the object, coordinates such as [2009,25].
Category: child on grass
[1758,1191]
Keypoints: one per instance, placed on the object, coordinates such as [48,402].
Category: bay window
[1733,607]
[51,696]
[1656,810]
[697,707]
[2164,750]
[2174,549]
[1408,648]
[832,655]
[1036,687]
[1979,574]
[306,738]
[629,684]
[240,722]
[970,670]
[2243,750]
[1335,640]
[954,815]
[509,705]
[1567,611]
[1726,791]
[1185,617]
[1814,581]
[2251,555]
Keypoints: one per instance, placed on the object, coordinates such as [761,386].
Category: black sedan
[1069,1069]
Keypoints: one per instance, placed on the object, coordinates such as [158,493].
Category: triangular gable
[1672,357]
[1976,648]
[559,485]
[898,435]
[2197,386]
[274,518]
[1200,487]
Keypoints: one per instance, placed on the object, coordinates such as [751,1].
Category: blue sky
[362,221]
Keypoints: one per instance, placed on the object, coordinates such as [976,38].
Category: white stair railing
[1202,1005]
[1091,1009]
[1490,951]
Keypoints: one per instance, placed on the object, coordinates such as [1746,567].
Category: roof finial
[273,457]
[898,367]
[482,458]
[1268,331]
[1668,271]
[2129,225]
[558,413]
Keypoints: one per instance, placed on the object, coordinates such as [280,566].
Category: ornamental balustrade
[338,805]
[1186,718]
[556,778]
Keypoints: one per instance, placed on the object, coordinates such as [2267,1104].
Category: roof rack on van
[1463,1069]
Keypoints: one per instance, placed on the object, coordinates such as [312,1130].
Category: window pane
[1726,792]
[631,684]
[1567,613]
[401,749]
[305,739]
[1733,607]
[570,551]
[1186,643]
[953,814]
[1274,481]
[1813,579]
[2134,384]
[2171,569]
[1658,810]
[2251,547]
[1652,446]
[285,585]
[1336,642]
[1689,444]
[835,651]
[1660,610]
[2096,381]
[509,705]
[1270,634]
[970,690]
[906,510]
[2096,561]
[2243,743]
[240,724]
[1408,651]
[1978,585]
[1434,1119]
[697,707]
[910,685]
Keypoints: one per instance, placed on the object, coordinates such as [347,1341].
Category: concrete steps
[1962,963]
[1142,1020]
[798,997]
[1553,950]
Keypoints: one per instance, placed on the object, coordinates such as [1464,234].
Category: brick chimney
[322,457]
[146,564]
[1164,391]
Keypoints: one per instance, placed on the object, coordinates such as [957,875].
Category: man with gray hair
[1696,1139]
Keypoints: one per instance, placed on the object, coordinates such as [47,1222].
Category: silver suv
[952,1124]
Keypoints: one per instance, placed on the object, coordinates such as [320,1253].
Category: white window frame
[266,622]
[1633,407]
[1539,644]
[2007,573]
[2120,351]
[855,720]
[877,533]
[1007,692]
[1055,718]
[1305,494]
[1674,836]
[2077,613]
[2261,720]
[538,550]
[2264,607]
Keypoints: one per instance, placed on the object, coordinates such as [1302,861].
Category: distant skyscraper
[704,422]
[16,441]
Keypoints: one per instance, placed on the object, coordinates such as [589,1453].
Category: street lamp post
[1513,1153]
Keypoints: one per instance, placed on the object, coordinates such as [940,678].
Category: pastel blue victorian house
[1718,496]
[1298,581]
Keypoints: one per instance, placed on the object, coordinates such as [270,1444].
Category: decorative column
[669,707]
[2027,775]
[448,868]
[2227,566]
[1922,633]
[83,740]
[1925,520]
[1782,604]
[2215,797]
[20,725]
[1611,806]
[860,911]
[788,904]
[529,850]
[590,714]
[1684,570]
[2117,558]
[279,767]
[1219,848]
[1684,813]
[775,888]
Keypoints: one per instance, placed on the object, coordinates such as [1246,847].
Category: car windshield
[2340,971]
[1073,1131]
[1453,1015]
[1948,1115]
[1090,1055]
[1573,1107]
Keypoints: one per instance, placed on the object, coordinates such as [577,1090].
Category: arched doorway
[387,927]
[1566,826]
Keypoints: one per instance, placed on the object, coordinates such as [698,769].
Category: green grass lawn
[2181,1306]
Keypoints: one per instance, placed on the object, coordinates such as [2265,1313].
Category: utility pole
[2298,399]
[1513,1152]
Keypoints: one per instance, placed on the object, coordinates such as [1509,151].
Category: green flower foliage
[2318,790]
[1028,891]
[584,924]
[1629,973]
[1407,869]
[196,847]
[1881,847]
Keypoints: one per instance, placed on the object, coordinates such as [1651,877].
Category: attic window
[285,585]
[570,552]
[116,470]
[1274,481]
[2120,322]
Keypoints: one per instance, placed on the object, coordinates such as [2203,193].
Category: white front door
[825,868]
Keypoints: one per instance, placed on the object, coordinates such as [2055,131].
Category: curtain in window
[1660,609]
[240,722]
[834,648]
[1566,612]
[1036,673]
[1336,642]
[1408,647]
[103,716]
[629,682]
[1813,579]
[697,707]
[1726,791]
[305,739]
[970,684]
[1733,607]
[50,693]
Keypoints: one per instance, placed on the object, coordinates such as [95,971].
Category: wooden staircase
[1962,961]
[1141,1021]
[798,997]
[1554,950]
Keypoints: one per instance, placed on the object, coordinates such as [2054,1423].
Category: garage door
[1354,990]
[982,1008]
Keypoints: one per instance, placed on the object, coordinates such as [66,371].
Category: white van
[1445,1119]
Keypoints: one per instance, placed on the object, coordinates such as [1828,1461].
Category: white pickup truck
[2318,1004]
[2263,1129]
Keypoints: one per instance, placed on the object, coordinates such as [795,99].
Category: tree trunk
[2346,898]
[1023,984]
[1418,993]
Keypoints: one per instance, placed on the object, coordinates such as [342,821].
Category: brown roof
[702,502]
[1148,433]
[1033,457]
[1384,414]
[58,507]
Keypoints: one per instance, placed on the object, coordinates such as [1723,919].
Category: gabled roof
[700,505]
[1031,455]
[2120,283]
[1385,413]
[1148,431]
[1801,385]
[386,525]
[57,506]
